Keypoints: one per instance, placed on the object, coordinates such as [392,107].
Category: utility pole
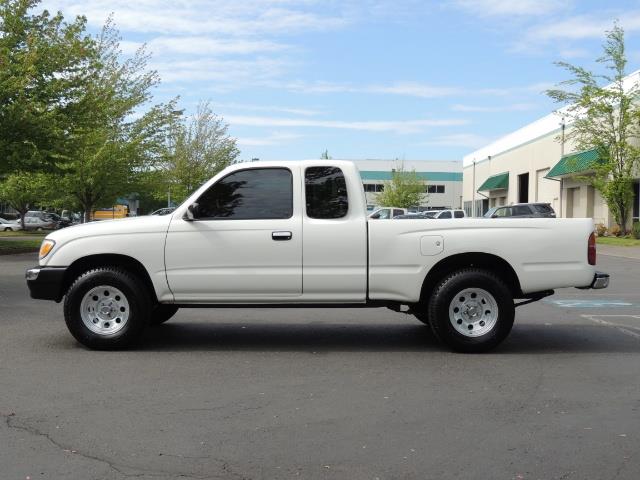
[473,202]
[562,126]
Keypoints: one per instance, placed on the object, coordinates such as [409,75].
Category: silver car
[7,226]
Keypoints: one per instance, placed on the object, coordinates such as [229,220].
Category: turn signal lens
[46,247]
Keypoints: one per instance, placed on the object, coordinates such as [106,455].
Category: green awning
[575,163]
[496,182]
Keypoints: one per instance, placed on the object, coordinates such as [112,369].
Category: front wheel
[106,309]
[471,310]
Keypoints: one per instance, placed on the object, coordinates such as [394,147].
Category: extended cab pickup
[297,234]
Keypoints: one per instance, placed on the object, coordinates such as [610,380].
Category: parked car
[164,211]
[522,210]
[385,213]
[440,214]
[239,239]
[410,216]
[9,226]
[39,224]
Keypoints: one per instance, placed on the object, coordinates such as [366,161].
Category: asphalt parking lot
[327,394]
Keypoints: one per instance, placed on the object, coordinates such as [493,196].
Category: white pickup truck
[296,234]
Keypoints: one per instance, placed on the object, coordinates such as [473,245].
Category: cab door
[244,244]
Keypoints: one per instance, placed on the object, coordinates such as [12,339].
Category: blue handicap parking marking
[583,303]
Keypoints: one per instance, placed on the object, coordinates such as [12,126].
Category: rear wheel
[162,313]
[106,309]
[471,310]
[8,229]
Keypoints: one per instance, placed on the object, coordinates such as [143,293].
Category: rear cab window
[326,193]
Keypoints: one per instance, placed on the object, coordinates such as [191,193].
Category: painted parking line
[584,303]
[620,322]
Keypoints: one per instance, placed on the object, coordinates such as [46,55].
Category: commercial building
[443,180]
[537,163]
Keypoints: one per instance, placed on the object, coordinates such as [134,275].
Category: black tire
[8,229]
[421,314]
[138,300]
[161,313]
[442,299]
[39,229]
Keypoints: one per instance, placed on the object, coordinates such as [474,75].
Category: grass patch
[619,241]
[8,247]
[22,233]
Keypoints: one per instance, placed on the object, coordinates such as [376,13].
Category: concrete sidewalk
[616,251]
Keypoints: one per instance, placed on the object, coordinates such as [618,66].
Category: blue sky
[364,79]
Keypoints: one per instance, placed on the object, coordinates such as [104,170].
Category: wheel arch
[487,261]
[125,262]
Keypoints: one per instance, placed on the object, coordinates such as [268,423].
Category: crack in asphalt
[10,422]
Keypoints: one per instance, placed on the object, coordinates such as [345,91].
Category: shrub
[601,230]
[636,230]
[615,230]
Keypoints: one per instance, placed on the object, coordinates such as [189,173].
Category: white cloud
[396,126]
[307,112]
[225,73]
[514,107]
[274,139]
[457,140]
[195,17]
[204,46]
[512,7]
[580,27]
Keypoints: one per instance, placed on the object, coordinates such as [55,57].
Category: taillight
[591,249]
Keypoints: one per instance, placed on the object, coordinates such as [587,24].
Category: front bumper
[46,283]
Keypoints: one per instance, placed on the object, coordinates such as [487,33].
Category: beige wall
[536,157]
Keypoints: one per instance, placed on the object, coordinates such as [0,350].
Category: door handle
[281,235]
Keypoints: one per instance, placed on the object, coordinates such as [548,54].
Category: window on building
[380,187]
[325,192]
[434,189]
[369,187]
[261,193]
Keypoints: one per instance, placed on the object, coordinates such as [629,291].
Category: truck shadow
[327,337]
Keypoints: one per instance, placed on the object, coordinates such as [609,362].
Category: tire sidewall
[138,304]
[451,286]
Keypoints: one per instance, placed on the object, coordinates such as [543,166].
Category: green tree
[325,155]
[198,149]
[603,114]
[404,190]
[22,190]
[113,140]
[41,66]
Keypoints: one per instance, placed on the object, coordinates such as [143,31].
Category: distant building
[443,180]
[537,164]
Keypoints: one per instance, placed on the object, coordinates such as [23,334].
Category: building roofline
[537,129]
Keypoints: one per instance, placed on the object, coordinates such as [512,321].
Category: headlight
[46,247]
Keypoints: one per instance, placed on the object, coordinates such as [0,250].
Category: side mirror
[192,212]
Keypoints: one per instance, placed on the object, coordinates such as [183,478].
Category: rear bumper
[46,283]
[600,280]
